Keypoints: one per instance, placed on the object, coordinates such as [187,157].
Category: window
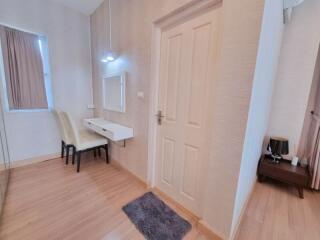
[44,50]
[26,70]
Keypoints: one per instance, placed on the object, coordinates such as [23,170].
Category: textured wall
[240,38]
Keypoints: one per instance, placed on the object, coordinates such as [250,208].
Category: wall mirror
[114,92]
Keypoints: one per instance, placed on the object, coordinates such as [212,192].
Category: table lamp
[277,147]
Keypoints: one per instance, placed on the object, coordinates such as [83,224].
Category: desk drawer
[99,130]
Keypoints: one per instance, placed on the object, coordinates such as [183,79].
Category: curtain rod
[22,30]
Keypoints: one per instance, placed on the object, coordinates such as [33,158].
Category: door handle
[159,117]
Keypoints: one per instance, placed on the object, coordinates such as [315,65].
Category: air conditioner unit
[288,5]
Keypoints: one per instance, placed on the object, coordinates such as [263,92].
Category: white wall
[297,62]
[260,106]
[33,135]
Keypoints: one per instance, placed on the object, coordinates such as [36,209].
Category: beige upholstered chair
[66,142]
[83,142]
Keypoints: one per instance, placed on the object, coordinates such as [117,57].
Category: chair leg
[107,155]
[67,153]
[74,151]
[95,153]
[99,152]
[78,161]
[63,145]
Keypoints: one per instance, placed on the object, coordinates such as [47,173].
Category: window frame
[44,49]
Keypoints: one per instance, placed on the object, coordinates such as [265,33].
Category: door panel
[187,57]
[172,80]
[189,176]
[202,35]
[169,91]
[168,150]
[199,61]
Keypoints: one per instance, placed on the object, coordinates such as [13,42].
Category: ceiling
[85,6]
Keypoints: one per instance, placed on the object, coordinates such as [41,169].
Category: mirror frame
[123,78]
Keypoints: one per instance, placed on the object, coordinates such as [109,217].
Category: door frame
[182,14]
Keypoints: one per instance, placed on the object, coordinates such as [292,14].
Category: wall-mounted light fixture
[110,55]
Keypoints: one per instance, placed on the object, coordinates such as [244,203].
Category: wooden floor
[50,200]
[276,213]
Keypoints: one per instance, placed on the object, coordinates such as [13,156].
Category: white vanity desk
[114,99]
[112,131]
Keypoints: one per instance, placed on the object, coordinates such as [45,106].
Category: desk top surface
[111,126]
[284,165]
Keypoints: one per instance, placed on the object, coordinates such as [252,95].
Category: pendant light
[110,55]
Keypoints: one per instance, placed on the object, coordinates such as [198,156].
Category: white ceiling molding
[86,7]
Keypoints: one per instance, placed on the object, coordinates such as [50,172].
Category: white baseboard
[25,162]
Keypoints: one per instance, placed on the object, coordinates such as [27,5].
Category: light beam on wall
[110,55]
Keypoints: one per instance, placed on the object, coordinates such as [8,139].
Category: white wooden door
[187,59]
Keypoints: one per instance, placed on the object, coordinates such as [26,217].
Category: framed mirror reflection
[114,92]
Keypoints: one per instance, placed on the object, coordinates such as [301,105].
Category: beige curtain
[23,69]
[313,151]
[309,147]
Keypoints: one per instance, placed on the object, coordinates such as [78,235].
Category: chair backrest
[71,128]
[65,136]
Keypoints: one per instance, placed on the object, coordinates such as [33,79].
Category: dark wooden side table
[283,172]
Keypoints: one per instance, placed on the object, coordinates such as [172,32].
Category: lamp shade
[279,145]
